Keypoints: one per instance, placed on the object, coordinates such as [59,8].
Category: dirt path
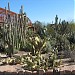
[11,68]
[16,68]
[67,67]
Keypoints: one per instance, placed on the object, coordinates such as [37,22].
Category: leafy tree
[39,28]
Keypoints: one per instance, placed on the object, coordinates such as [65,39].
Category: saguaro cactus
[56,20]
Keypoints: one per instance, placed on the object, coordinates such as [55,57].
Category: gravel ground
[17,68]
[11,68]
[68,67]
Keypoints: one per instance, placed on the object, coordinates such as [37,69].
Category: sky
[43,10]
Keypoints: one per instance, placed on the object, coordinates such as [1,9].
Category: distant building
[6,14]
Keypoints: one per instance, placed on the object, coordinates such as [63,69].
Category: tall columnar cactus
[14,31]
[56,20]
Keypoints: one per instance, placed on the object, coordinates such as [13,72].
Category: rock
[40,72]
[28,72]
[73,72]
[20,73]
[67,72]
[49,73]
[34,73]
